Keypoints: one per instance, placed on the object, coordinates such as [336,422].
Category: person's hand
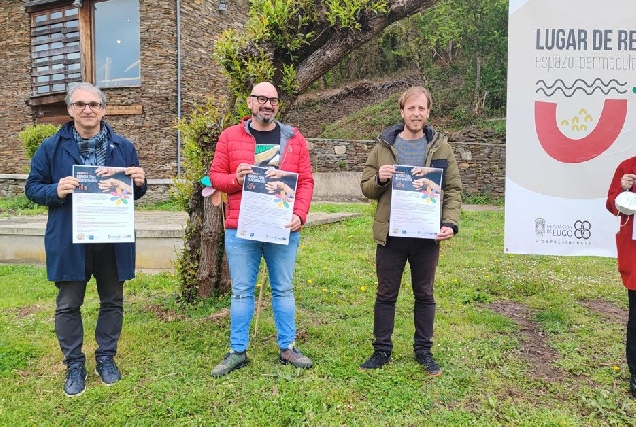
[421,171]
[105,184]
[66,186]
[272,186]
[418,184]
[295,224]
[275,173]
[627,181]
[242,170]
[385,173]
[137,174]
[104,171]
[445,233]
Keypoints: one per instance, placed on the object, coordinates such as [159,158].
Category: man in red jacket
[260,140]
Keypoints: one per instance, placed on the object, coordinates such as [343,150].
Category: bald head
[264,87]
[263,103]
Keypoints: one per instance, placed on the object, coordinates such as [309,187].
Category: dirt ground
[534,347]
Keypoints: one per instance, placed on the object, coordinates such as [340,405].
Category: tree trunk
[202,265]
[213,272]
[476,95]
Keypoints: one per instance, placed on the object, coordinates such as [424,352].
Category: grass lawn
[522,340]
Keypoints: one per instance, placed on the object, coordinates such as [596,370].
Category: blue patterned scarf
[93,150]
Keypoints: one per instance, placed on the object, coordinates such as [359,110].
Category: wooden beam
[123,110]
[86,41]
[48,99]
[55,120]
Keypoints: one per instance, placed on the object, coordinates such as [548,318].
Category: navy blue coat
[54,160]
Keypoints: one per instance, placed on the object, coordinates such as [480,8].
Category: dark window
[55,50]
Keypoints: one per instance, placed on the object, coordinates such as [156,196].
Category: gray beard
[259,118]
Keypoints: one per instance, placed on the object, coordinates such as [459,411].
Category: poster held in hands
[103,205]
[267,205]
[415,202]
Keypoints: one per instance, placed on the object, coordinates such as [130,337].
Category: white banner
[571,119]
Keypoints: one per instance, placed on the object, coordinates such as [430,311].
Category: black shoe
[632,385]
[75,383]
[107,370]
[425,358]
[377,360]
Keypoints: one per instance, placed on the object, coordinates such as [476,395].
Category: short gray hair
[84,85]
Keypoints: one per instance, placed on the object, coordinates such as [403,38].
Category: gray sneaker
[230,362]
[294,357]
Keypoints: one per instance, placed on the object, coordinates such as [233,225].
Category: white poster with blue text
[571,119]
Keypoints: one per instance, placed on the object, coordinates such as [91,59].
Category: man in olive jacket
[411,143]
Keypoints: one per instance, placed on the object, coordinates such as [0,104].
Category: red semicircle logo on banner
[568,150]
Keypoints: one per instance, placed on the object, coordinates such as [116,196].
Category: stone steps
[159,237]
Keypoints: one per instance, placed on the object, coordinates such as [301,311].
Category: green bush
[33,135]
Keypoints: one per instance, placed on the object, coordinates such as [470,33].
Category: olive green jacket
[439,154]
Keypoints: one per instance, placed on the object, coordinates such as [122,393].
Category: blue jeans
[244,260]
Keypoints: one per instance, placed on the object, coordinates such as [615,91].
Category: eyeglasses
[263,99]
[80,105]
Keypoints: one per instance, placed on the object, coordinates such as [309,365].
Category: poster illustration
[267,205]
[415,202]
[103,205]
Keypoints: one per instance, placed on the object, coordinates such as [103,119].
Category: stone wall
[12,185]
[153,131]
[15,69]
[481,164]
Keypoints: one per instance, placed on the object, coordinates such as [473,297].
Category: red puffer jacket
[236,145]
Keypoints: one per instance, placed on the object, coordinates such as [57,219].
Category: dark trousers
[100,262]
[630,347]
[390,260]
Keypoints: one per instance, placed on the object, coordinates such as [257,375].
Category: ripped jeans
[244,259]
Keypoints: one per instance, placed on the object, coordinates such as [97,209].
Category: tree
[484,29]
[291,43]
[295,42]
[201,265]
[471,37]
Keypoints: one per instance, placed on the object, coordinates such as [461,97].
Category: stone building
[152,58]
